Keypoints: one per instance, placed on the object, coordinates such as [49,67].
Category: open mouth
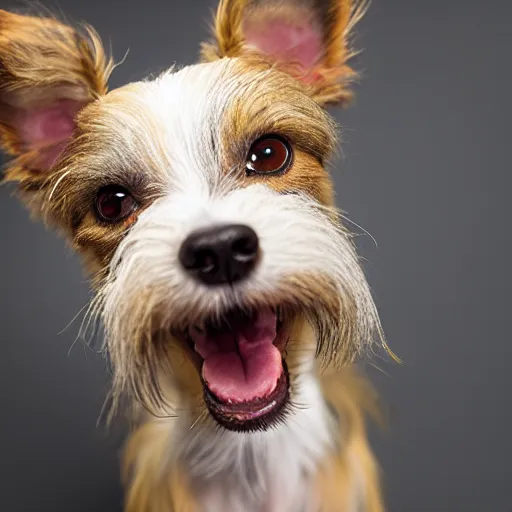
[244,375]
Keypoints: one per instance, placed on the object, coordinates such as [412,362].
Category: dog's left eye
[269,155]
[114,203]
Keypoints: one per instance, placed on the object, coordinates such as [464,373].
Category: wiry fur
[44,61]
[337,17]
[178,144]
[308,257]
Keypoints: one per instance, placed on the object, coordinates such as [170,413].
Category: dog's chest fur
[261,472]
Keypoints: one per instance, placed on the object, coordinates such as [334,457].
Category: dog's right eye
[114,203]
[269,155]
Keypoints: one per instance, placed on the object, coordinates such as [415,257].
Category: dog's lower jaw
[269,471]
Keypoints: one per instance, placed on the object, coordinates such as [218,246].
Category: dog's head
[200,202]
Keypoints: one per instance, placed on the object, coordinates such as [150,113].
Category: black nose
[220,255]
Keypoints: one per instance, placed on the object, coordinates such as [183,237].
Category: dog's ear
[48,73]
[307,38]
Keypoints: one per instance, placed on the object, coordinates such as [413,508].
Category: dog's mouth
[244,375]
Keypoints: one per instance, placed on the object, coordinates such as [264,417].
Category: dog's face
[200,202]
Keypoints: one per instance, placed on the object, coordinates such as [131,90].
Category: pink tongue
[241,364]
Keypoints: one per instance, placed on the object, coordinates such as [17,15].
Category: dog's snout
[221,254]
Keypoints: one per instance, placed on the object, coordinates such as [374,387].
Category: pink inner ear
[47,130]
[286,41]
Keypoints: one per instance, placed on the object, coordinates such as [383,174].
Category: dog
[233,301]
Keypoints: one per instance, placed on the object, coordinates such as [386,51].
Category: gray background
[425,170]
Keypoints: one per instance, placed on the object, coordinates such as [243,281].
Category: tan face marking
[130,138]
[274,103]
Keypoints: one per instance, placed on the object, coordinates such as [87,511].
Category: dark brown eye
[114,203]
[269,155]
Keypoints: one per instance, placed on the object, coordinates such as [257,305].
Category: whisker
[346,218]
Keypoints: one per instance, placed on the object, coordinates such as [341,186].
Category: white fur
[295,237]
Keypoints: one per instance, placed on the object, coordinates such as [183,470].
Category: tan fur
[149,488]
[301,120]
[349,479]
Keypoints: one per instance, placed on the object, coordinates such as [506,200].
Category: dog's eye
[114,203]
[269,155]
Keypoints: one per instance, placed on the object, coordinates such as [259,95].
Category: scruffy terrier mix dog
[232,298]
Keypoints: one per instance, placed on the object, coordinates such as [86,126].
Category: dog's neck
[268,471]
